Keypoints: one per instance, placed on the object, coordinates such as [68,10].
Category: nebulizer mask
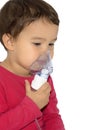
[42,68]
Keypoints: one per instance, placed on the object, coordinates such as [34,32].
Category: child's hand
[41,96]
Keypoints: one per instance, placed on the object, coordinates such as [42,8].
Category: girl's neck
[14,68]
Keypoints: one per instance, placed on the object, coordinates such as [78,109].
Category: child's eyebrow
[54,39]
[40,38]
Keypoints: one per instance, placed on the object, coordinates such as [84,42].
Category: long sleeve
[51,114]
[20,116]
[17,111]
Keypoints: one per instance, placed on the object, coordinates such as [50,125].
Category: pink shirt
[18,112]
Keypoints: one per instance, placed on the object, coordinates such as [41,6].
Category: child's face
[34,40]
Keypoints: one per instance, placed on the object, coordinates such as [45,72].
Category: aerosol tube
[45,68]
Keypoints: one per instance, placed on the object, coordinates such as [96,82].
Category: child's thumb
[27,86]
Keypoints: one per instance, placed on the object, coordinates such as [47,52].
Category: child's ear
[8,41]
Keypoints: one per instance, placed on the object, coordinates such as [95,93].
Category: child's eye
[51,44]
[37,44]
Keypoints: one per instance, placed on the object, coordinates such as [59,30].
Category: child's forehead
[40,24]
[40,30]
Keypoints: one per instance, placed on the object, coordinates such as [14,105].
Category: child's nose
[45,49]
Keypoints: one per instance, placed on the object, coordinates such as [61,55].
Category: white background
[76,63]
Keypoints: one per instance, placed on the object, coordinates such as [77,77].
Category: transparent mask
[43,65]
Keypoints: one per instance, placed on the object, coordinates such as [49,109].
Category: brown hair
[16,14]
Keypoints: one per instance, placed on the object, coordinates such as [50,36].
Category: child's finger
[27,86]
